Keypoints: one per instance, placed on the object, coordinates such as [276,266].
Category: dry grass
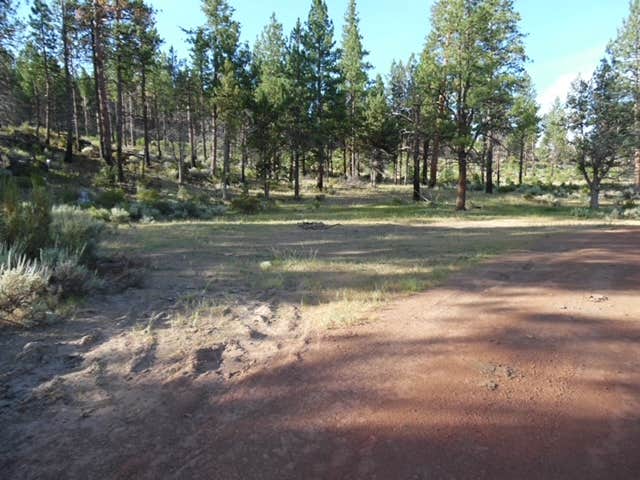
[376,251]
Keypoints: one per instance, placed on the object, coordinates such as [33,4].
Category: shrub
[585,213]
[632,213]
[110,198]
[397,201]
[247,205]
[26,223]
[99,213]
[23,288]
[119,216]
[106,177]
[165,207]
[184,195]
[509,188]
[69,195]
[68,274]
[147,195]
[75,230]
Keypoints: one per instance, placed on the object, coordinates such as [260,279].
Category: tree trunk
[320,183]
[119,116]
[296,175]
[396,166]
[243,167]
[101,81]
[637,158]
[192,137]
[416,160]
[47,97]
[344,161]
[265,175]
[145,115]
[461,200]
[405,178]
[594,202]
[521,164]
[437,138]
[214,141]
[226,163]
[203,133]
[76,121]
[132,136]
[85,114]
[156,124]
[180,158]
[424,173]
[374,168]
[489,180]
[37,110]
[68,86]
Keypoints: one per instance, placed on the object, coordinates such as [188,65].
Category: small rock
[491,386]
[598,298]
[34,352]
[88,340]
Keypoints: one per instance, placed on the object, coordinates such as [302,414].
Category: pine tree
[8,23]
[483,45]
[354,74]
[8,29]
[379,129]
[270,99]
[555,148]
[93,16]
[600,121]
[223,37]
[297,70]
[146,43]
[323,79]
[230,103]
[201,65]
[44,37]
[626,60]
[525,122]
[66,9]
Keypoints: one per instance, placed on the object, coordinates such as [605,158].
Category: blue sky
[565,38]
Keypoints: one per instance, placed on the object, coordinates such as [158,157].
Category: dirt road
[527,367]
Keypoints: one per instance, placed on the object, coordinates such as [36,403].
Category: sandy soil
[527,367]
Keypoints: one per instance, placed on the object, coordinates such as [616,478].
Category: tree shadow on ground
[412,399]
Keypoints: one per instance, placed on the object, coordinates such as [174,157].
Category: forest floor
[391,348]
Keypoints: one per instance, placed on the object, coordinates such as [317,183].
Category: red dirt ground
[527,367]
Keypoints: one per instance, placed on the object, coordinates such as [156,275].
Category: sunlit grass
[377,250]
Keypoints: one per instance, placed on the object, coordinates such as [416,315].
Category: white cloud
[559,89]
[566,71]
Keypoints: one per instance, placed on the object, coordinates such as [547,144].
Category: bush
[247,205]
[75,230]
[184,195]
[69,195]
[509,188]
[147,195]
[106,177]
[585,213]
[23,288]
[632,213]
[69,275]
[119,216]
[111,198]
[99,213]
[24,223]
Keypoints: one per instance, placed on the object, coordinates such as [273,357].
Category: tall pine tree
[323,79]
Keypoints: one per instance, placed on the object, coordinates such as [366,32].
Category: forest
[267,259]
[300,103]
